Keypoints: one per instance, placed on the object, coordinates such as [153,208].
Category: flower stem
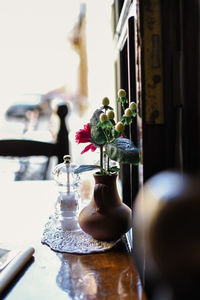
[101,159]
[108,162]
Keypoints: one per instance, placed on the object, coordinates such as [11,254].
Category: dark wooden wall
[181,77]
[168,134]
[175,143]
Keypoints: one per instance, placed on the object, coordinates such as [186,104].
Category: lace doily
[72,241]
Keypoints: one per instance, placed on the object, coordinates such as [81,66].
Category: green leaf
[114,169]
[106,124]
[112,121]
[106,107]
[97,133]
[122,99]
[134,113]
[85,168]
[116,133]
[98,136]
[102,133]
[127,120]
[95,117]
[124,151]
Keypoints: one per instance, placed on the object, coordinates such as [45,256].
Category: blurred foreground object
[167,236]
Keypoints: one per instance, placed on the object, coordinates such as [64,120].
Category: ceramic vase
[106,217]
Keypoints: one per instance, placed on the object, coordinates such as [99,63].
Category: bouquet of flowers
[104,133]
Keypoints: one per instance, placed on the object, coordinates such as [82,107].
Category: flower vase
[106,217]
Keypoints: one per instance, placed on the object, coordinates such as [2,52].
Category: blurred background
[52,52]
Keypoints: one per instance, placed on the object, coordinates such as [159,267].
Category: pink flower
[89,147]
[84,136]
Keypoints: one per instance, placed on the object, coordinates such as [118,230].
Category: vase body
[106,217]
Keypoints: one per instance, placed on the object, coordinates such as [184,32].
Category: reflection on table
[25,208]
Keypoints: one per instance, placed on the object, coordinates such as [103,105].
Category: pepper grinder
[67,204]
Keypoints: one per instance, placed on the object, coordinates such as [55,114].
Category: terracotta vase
[106,217]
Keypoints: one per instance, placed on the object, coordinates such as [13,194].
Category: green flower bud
[133,106]
[110,114]
[119,127]
[121,93]
[128,112]
[105,101]
[103,117]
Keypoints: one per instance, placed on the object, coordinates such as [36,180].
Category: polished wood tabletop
[24,208]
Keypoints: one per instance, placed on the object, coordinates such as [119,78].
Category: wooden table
[24,209]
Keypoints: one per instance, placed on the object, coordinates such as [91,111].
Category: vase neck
[105,179]
[105,191]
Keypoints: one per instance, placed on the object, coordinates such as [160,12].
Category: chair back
[28,147]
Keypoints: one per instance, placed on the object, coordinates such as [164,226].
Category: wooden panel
[152,51]
[191,73]
[153,126]
[133,96]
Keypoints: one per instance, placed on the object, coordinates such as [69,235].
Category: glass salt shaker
[67,204]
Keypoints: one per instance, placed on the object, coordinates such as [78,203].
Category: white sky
[34,49]
[35,55]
